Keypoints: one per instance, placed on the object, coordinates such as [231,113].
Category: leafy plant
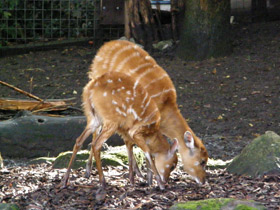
[28,20]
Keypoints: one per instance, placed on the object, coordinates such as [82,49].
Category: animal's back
[129,58]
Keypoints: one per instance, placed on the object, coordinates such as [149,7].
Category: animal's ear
[188,138]
[173,148]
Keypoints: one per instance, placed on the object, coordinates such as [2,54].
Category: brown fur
[126,57]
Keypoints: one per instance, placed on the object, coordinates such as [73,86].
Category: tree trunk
[259,10]
[141,22]
[177,17]
[206,30]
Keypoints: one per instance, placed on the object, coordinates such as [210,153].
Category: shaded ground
[227,101]
[36,187]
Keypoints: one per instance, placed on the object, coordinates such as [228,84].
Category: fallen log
[29,136]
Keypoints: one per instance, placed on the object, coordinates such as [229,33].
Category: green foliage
[28,20]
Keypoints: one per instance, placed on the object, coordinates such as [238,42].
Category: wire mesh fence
[25,21]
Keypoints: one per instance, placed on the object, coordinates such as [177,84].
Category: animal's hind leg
[89,161]
[108,130]
[79,142]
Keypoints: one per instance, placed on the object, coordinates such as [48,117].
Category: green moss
[116,156]
[8,206]
[213,204]
[219,204]
[63,159]
[244,207]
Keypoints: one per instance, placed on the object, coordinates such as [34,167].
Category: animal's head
[166,162]
[194,157]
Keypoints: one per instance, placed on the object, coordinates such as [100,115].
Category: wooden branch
[14,104]
[21,91]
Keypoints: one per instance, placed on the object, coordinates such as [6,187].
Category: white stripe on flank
[99,58]
[140,77]
[140,67]
[148,118]
[164,91]
[155,80]
[134,87]
[120,112]
[147,57]
[116,55]
[146,95]
[105,94]
[146,106]
[130,110]
[127,59]
[124,106]
[114,102]
[108,55]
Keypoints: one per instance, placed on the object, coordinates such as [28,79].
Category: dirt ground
[227,101]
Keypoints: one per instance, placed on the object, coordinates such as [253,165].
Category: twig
[21,91]
[47,108]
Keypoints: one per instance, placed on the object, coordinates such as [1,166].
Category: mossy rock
[42,160]
[218,204]
[162,45]
[8,206]
[63,159]
[261,156]
[115,156]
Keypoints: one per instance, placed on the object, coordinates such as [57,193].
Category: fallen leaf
[220,117]
[214,71]
[256,92]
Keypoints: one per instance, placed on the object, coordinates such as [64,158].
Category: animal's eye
[172,168]
[203,163]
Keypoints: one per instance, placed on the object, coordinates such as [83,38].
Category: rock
[1,161]
[261,156]
[219,204]
[124,38]
[8,206]
[115,156]
[162,45]
[131,40]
